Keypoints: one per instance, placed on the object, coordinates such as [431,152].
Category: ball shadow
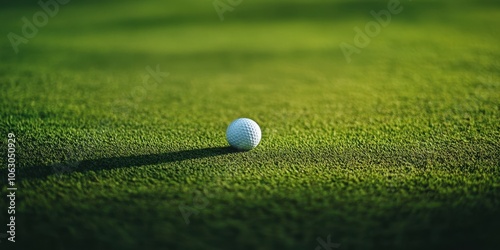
[40,171]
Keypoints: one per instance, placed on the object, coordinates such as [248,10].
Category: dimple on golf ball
[243,134]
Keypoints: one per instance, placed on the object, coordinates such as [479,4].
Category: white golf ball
[243,134]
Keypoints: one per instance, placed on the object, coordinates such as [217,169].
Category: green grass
[399,149]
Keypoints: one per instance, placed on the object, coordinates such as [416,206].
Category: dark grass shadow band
[41,171]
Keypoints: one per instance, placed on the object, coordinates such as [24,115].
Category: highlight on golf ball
[243,134]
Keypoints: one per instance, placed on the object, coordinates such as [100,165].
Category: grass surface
[399,149]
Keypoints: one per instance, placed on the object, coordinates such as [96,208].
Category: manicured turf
[399,149]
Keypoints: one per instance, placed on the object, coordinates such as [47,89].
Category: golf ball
[243,134]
